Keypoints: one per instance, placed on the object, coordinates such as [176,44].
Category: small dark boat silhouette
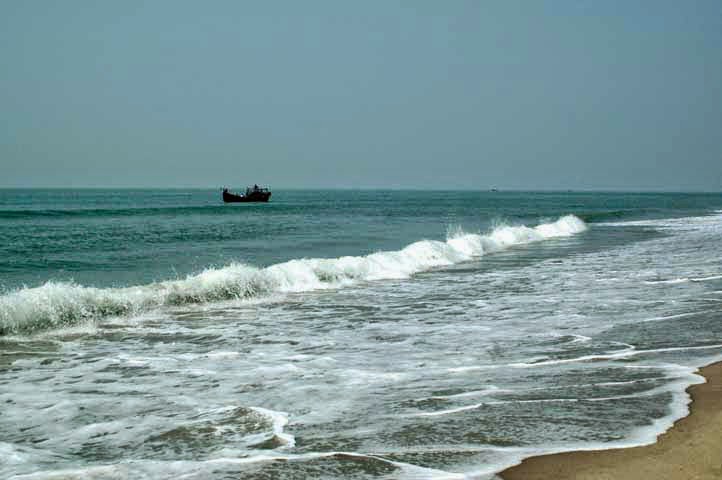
[253,194]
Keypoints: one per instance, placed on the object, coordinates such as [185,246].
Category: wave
[623,214]
[62,304]
[684,280]
[601,216]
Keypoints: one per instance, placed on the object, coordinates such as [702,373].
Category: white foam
[11,455]
[682,223]
[150,469]
[407,471]
[279,421]
[706,279]
[220,355]
[474,393]
[615,355]
[585,358]
[471,368]
[679,315]
[631,352]
[670,281]
[449,411]
[104,472]
[580,338]
[61,304]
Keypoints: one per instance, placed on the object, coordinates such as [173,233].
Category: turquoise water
[129,237]
[352,334]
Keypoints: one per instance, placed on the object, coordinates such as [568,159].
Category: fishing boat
[253,194]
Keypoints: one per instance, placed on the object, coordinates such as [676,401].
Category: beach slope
[690,450]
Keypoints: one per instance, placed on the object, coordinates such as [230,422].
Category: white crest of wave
[59,304]
[505,236]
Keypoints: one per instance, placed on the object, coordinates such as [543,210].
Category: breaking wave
[60,304]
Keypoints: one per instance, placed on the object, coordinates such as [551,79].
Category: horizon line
[377,188]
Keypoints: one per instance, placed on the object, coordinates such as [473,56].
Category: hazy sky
[406,94]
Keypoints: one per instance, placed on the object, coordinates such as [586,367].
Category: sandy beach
[691,449]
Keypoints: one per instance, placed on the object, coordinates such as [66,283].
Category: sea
[346,334]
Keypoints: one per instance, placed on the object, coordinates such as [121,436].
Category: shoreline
[690,449]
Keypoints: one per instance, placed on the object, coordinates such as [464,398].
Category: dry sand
[690,450]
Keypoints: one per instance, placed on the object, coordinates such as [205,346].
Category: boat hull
[253,197]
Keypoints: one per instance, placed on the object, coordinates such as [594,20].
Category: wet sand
[690,450]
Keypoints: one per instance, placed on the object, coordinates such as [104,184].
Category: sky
[611,95]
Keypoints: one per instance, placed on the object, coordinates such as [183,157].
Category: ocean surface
[159,334]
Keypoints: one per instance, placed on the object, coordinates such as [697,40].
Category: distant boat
[253,194]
